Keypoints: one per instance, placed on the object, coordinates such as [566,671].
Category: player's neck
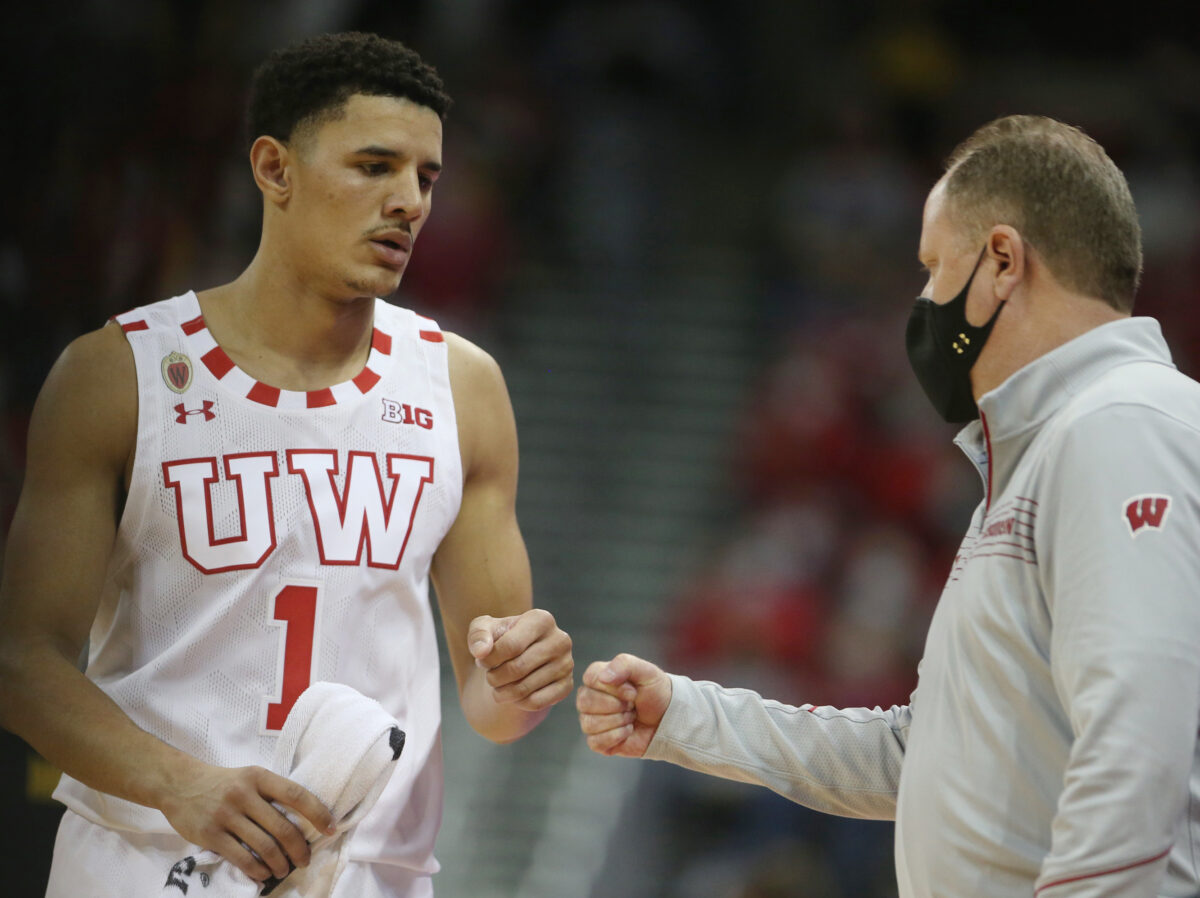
[285,335]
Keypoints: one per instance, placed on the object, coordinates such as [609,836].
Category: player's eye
[374,168]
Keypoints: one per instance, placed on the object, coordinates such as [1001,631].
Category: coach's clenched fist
[621,703]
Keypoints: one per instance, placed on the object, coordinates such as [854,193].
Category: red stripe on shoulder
[128,326]
[191,327]
[365,380]
[263,394]
[321,398]
[432,336]
[217,362]
[381,342]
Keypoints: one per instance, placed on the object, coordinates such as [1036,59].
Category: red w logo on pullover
[1146,511]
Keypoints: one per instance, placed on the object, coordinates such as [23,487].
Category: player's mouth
[393,248]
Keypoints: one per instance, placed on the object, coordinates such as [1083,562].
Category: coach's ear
[1007,249]
[269,160]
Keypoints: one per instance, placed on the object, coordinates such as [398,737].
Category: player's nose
[404,200]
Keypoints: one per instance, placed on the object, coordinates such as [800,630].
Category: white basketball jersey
[272,539]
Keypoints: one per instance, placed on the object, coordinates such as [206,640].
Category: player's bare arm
[511,660]
[621,703]
[81,445]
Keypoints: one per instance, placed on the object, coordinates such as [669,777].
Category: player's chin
[389,283]
[377,281]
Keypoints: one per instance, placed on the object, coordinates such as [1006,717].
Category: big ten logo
[401,413]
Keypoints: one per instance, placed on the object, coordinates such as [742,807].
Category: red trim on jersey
[381,341]
[261,393]
[987,439]
[139,325]
[366,379]
[191,327]
[1063,882]
[432,336]
[217,361]
[320,398]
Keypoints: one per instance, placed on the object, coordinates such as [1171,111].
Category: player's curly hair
[311,80]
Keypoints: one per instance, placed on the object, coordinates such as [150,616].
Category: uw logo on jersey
[363,515]
[177,371]
[1146,511]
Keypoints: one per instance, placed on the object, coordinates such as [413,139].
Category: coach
[1051,746]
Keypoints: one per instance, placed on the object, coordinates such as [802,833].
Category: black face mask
[942,348]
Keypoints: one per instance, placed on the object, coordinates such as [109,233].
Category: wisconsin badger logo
[1149,511]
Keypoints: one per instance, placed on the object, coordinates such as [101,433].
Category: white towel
[342,747]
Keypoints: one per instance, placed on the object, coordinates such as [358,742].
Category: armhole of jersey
[137,492]
[436,351]
[437,356]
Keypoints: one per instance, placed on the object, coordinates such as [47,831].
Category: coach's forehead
[945,225]
[935,224]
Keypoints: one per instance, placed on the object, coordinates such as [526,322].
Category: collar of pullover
[1012,413]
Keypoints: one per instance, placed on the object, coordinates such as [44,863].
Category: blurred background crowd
[687,230]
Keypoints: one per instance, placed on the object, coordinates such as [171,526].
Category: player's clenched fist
[621,703]
[527,658]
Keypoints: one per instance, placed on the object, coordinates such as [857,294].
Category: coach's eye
[374,168]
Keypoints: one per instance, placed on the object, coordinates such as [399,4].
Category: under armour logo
[1146,511]
[181,874]
[181,413]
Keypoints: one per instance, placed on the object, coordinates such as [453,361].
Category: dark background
[687,230]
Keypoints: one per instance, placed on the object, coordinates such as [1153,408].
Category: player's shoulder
[471,366]
[97,361]
[88,402]
[486,429]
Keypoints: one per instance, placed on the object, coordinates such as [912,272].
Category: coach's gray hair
[1063,194]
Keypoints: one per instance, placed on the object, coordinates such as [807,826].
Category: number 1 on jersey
[295,607]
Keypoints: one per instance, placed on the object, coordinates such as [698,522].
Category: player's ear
[269,161]
[1007,249]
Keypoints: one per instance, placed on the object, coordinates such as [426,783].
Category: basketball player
[1050,747]
[245,490]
